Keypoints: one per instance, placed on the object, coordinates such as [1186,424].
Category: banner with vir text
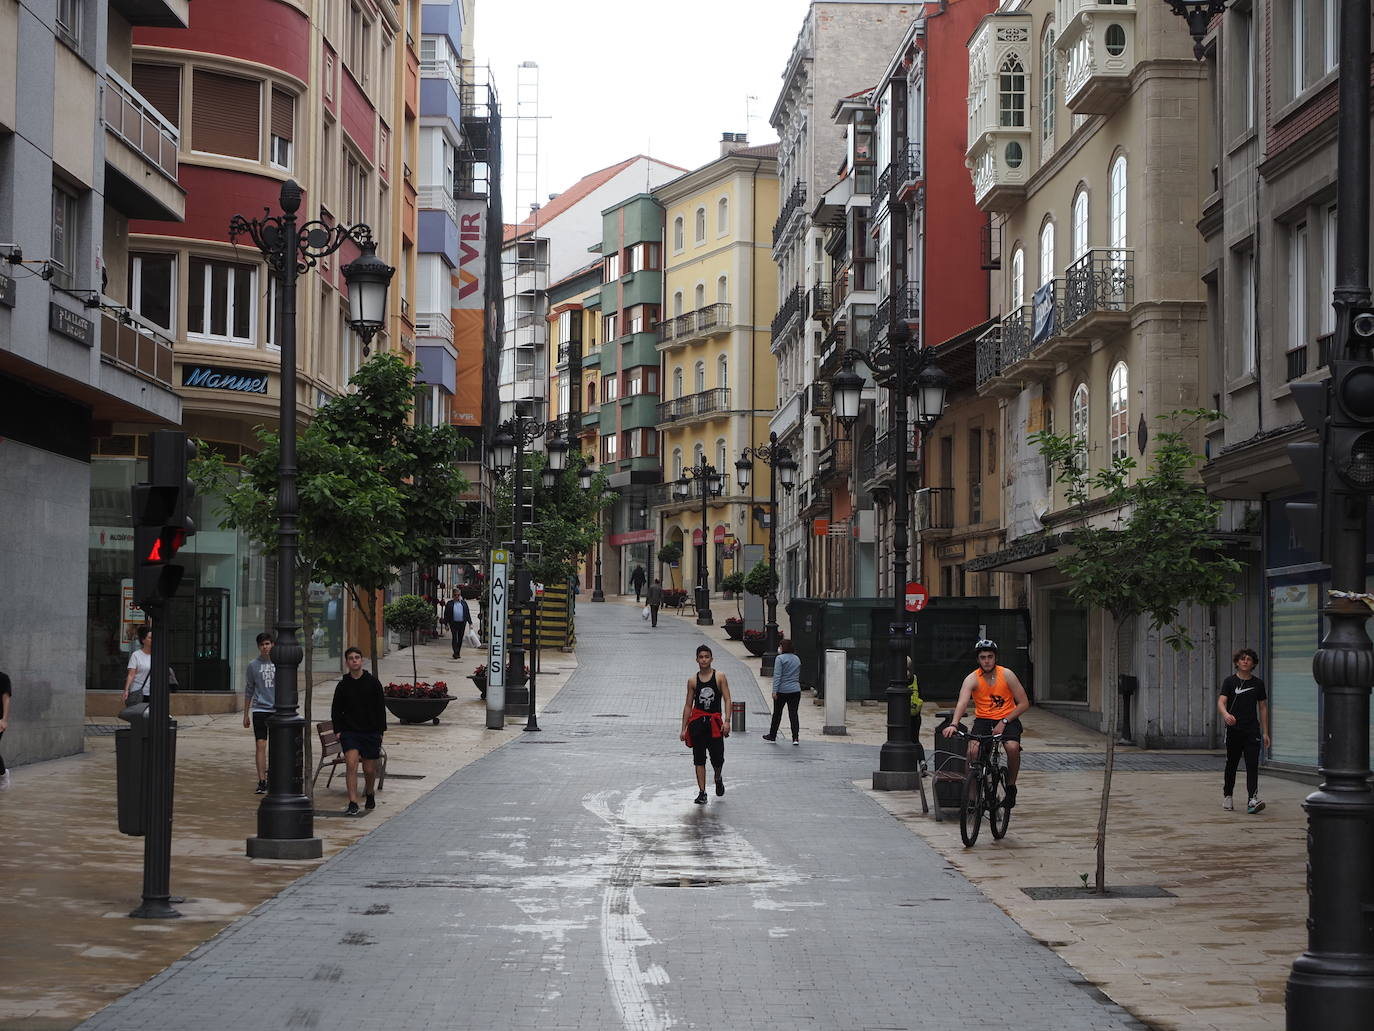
[469,310]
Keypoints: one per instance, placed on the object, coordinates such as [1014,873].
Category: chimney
[733,141]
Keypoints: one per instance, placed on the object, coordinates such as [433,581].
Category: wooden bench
[331,755]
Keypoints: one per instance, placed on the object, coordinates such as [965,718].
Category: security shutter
[160,85]
[283,114]
[225,115]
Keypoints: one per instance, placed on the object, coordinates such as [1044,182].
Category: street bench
[331,755]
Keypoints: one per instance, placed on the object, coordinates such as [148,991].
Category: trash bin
[948,764]
[131,767]
[737,718]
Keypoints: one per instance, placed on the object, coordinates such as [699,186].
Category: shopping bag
[645,614]
[471,638]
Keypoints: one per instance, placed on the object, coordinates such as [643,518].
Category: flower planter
[417,710]
[481,683]
[756,646]
[734,631]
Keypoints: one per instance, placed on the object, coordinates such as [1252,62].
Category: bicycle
[985,790]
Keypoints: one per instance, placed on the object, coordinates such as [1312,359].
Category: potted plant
[408,614]
[479,677]
[756,641]
[734,628]
[417,703]
[733,585]
[667,555]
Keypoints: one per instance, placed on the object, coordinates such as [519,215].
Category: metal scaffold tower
[526,139]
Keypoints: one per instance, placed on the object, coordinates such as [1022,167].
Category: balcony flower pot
[734,629]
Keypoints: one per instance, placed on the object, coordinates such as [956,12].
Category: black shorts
[367,745]
[704,745]
[984,727]
[260,725]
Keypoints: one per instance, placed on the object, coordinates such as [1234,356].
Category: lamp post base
[156,909]
[285,848]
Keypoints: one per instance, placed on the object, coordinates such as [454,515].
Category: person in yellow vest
[916,705]
[998,700]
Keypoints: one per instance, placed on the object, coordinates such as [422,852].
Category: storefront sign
[130,617]
[217,377]
[719,535]
[950,551]
[633,537]
[6,291]
[70,324]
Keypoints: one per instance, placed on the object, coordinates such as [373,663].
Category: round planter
[756,647]
[417,710]
[481,683]
[734,631]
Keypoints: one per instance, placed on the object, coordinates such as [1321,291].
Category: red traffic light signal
[161,517]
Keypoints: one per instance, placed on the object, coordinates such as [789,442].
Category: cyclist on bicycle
[998,701]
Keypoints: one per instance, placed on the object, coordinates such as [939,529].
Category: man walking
[637,579]
[259,699]
[456,615]
[359,716]
[704,729]
[655,599]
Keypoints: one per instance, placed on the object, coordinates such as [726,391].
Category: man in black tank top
[704,726]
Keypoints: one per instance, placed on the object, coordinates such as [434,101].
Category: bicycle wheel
[971,811]
[999,816]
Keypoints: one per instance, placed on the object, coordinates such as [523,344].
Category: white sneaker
[1254,806]
[1227,804]
[5,781]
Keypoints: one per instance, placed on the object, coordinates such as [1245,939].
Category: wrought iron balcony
[906,167]
[790,307]
[884,185]
[693,406]
[1018,333]
[835,461]
[695,325]
[904,304]
[570,352]
[934,508]
[1099,288]
[819,298]
[795,199]
[818,397]
[988,358]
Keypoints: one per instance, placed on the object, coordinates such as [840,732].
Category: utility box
[131,767]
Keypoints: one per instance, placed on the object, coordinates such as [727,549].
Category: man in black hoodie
[359,716]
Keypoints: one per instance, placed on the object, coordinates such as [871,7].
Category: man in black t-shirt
[359,715]
[1244,707]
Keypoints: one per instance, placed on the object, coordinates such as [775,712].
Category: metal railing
[132,118]
[834,460]
[988,356]
[705,403]
[1101,280]
[569,351]
[934,508]
[437,198]
[819,298]
[434,324]
[884,186]
[442,68]
[795,199]
[690,325]
[791,305]
[906,166]
[1297,362]
[1017,331]
[818,397]
[903,304]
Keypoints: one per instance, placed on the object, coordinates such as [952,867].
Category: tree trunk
[1109,718]
[307,708]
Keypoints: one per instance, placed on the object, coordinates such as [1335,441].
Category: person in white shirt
[138,681]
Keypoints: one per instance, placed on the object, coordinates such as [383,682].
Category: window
[699,297]
[722,216]
[1078,425]
[1331,18]
[1116,218]
[1297,288]
[609,327]
[69,22]
[722,463]
[634,443]
[608,449]
[65,232]
[1328,319]
[1114,40]
[700,235]
[677,303]
[1046,253]
[612,266]
[355,190]
[1245,261]
[1297,25]
[283,127]
[641,318]
[677,234]
[610,387]
[1011,93]
[699,378]
[219,300]
[1118,428]
[1018,278]
[1048,98]
[677,383]
[152,288]
[677,463]
[642,257]
[1080,224]
[975,474]
[1241,48]
[591,395]
[274,313]
[225,114]
[160,85]
[722,290]
[722,371]
[359,42]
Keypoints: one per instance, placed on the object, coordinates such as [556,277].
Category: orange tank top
[992,701]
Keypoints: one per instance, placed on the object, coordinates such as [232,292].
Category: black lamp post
[508,447]
[708,482]
[907,371]
[286,815]
[781,467]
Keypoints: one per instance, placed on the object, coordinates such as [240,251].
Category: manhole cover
[1059,893]
[689,882]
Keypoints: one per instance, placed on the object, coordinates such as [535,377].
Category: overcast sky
[604,72]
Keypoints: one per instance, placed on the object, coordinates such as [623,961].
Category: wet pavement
[566,880]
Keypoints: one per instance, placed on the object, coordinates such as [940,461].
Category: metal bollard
[737,718]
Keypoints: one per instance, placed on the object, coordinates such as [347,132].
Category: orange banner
[467,384]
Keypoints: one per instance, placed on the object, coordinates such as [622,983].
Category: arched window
[722,290]
[677,303]
[1080,224]
[721,466]
[677,382]
[722,216]
[677,463]
[699,297]
[1046,253]
[699,456]
[1011,93]
[700,226]
[591,395]
[699,379]
[1048,98]
[722,371]
[1118,427]
[1078,425]
[1116,223]
[677,233]
[1018,278]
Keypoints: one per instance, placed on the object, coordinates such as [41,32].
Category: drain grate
[97,729]
[611,716]
[1125,891]
[540,741]
[689,882]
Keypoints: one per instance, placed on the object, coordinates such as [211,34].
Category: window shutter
[283,114]
[225,115]
[160,85]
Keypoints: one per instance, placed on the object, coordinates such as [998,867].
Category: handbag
[645,613]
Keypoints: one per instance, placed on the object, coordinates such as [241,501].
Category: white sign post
[496,640]
[836,691]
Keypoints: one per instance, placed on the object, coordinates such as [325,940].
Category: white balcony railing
[434,324]
[442,68]
[129,116]
[436,198]
[1098,44]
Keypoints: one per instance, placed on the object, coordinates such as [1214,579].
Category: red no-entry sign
[916,597]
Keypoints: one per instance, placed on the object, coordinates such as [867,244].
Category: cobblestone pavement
[566,880]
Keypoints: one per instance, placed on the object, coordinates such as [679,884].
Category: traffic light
[162,519]
[1306,517]
[1352,424]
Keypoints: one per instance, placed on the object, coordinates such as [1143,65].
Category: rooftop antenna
[749,113]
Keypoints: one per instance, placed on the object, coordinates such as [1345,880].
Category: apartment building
[1267,136]
[1083,146]
[82,152]
[718,373]
[840,50]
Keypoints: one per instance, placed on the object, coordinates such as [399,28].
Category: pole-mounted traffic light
[161,516]
[1352,407]
[1307,518]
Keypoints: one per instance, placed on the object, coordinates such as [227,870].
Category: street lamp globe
[681,488]
[558,454]
[932,384]
[547,476]
[368,278]
[787,473]
[848,388]
[714,482]
[584,477]
[503,450]
[744,469]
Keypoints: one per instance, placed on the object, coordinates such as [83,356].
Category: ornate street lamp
[286,815]
[781,468]
[1198,14]
[708,481]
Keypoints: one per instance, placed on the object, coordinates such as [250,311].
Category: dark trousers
[653,615]
[2,758]
[638,589]
[916,737]
[788,701]
[1246,744]
[458,630]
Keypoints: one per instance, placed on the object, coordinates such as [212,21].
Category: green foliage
[410,614]
[761,580]
[1158,550]
[669,553]
[734,583]
[567,519]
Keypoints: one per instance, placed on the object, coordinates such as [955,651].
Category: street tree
[409,614]
[1140,545]
[567,518]
[667,556]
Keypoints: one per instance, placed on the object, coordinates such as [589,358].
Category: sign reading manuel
[215,377]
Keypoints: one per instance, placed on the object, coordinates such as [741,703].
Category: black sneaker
[370,802]
[720,785]
[352,809]
[261,789]
[1011,795]
[770,737]
[701,798]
